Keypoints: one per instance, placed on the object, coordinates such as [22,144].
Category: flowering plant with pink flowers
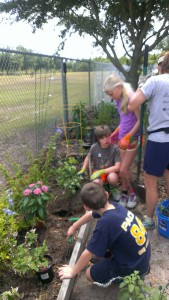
[34,201]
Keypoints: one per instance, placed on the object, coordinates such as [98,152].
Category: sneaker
[123,200]
[148,223]
[132,201]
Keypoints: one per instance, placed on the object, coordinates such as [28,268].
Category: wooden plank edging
[67,285]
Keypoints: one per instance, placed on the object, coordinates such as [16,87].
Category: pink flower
[39,182]
[37,191]
[27,192]
[44,188]
[31,185]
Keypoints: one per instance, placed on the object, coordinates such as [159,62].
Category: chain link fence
[38,93]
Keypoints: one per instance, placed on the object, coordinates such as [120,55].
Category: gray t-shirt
[103,158]
[156,91]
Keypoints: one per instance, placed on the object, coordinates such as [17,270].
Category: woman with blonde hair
[126,134]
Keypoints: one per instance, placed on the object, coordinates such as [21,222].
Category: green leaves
[133,287]
[66,175]
[28,256]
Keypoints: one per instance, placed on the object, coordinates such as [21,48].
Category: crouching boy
[118,231]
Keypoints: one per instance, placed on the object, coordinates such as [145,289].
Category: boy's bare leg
[88,275]
[113,179]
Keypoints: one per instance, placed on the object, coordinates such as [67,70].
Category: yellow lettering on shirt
[128,220]
[137,230]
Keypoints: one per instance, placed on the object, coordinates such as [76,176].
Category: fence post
[89,80]
[64,92]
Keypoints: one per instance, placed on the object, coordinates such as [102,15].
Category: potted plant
[34,201]
[162,212]
[29,257]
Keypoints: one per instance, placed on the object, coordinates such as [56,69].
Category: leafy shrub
[133,287]
[28,257]
[106,114]
[8,230]
[79,116]
[66,175]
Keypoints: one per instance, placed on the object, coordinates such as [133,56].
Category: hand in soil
[65,272]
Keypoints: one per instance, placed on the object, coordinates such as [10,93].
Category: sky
[46,40]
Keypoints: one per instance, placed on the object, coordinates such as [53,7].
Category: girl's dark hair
[101,131]
[165,64]
[93,196]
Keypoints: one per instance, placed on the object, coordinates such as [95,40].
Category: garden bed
[54,231]
[60,209]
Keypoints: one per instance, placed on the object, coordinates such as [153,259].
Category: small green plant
[8,228]
[28,256]
[66,175]
[34,201]
[164,210]
[44,162]
[79,116]
[13,294]
[133,287]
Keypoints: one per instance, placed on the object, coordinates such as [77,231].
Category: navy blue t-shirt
[121,232]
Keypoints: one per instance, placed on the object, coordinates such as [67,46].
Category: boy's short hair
[101,131]
[93,196]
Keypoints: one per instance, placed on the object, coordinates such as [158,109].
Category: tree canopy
[136,22]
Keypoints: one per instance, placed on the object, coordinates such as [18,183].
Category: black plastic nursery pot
[46,275]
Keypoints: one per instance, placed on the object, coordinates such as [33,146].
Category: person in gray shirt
[104,157]
[156,160]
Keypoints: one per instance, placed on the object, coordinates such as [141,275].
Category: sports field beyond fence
[37,93]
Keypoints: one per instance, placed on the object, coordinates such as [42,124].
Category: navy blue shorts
[106,271]
[156,158]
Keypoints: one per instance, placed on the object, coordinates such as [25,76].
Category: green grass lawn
[27,102]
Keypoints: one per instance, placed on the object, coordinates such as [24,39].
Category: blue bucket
[163,221]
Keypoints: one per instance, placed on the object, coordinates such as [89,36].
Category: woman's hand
[114,136]
[125,141]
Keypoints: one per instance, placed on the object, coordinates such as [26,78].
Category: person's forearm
[82,262]
[136,100]
[86,162]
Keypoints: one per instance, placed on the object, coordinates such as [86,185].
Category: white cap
[160,60]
